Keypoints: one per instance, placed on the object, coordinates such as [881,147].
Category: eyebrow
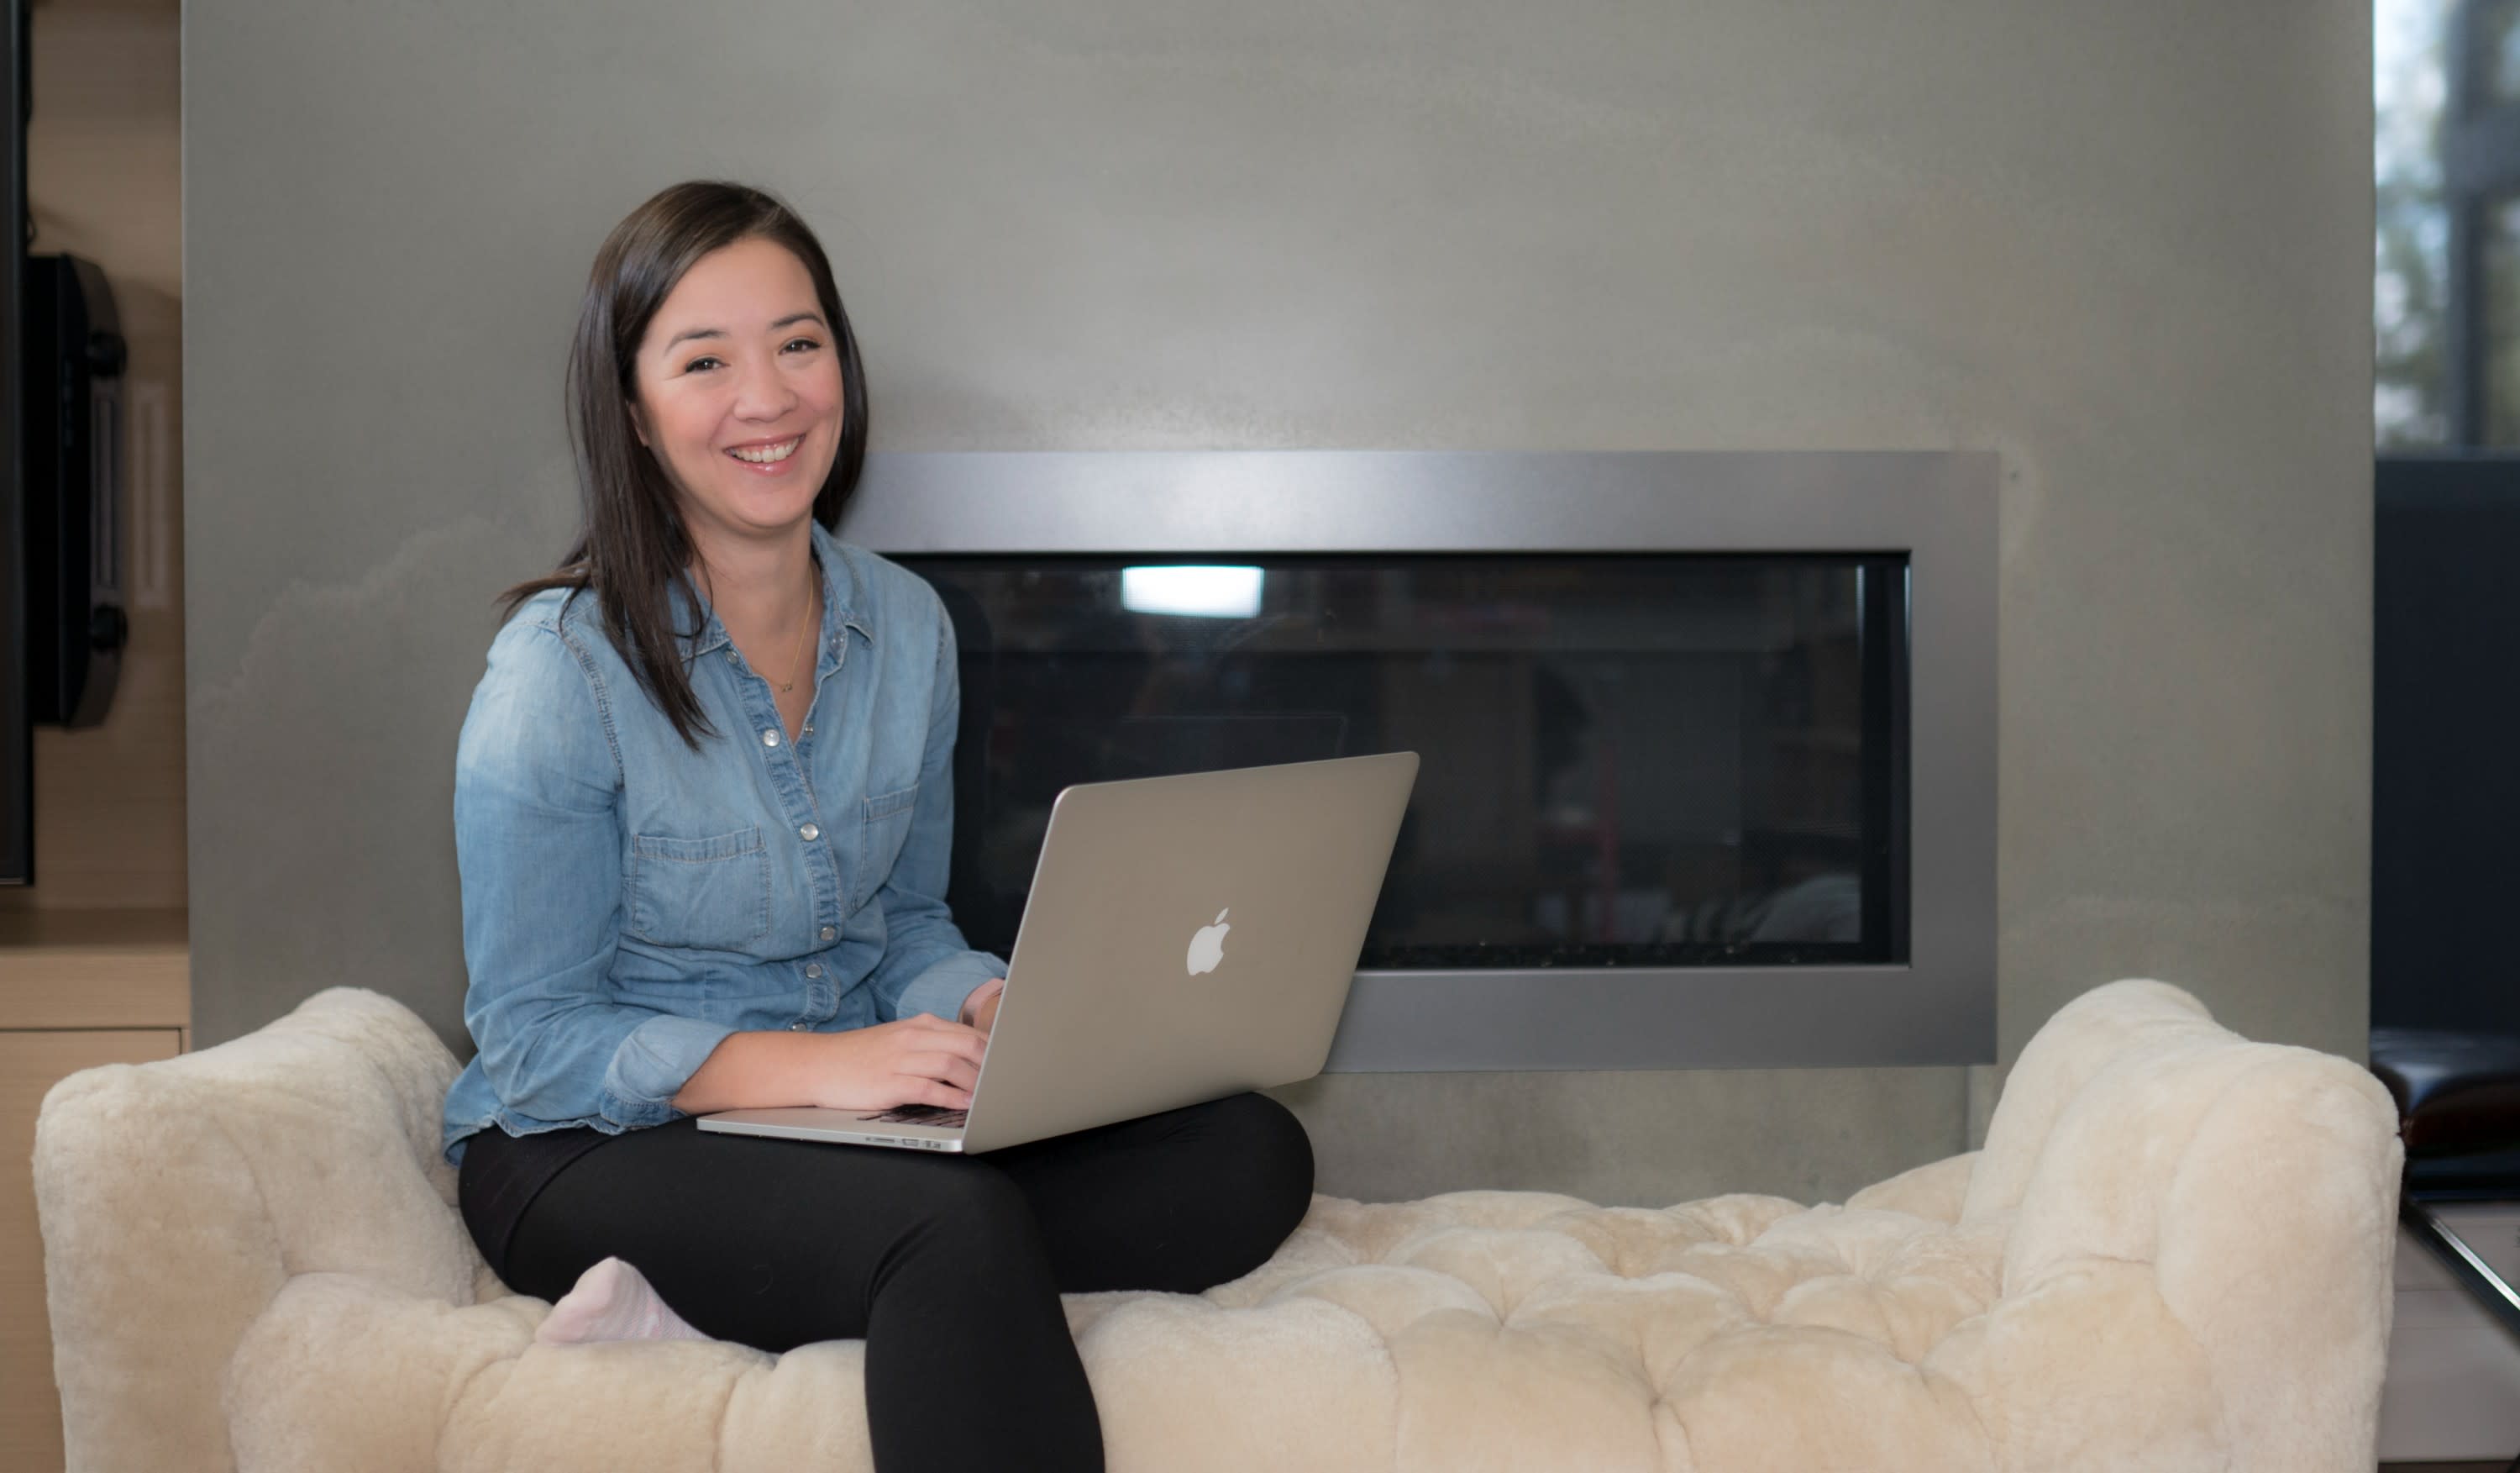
[790,320]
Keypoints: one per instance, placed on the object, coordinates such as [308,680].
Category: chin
[773,522]
[775,505]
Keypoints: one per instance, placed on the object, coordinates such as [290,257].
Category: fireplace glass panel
[1670,760]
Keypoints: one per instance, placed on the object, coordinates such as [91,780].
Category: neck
[757,589]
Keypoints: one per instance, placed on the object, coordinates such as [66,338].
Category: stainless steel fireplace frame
[1936,508]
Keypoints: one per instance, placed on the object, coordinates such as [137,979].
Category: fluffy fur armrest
[176,1198]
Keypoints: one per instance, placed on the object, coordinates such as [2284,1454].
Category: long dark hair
[631,546]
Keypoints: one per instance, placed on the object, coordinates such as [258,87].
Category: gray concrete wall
[2125,245]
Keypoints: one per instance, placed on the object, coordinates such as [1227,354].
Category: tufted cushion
[2096,1291]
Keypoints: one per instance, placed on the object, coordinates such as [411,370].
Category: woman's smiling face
[738,393]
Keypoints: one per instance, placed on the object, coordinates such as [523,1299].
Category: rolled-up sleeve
[538,849]
[928,967]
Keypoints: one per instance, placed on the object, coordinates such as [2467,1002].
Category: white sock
[611,1301]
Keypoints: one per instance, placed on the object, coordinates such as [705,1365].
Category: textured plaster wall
[2127,246]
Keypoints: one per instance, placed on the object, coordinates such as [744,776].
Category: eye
[699,363]
[807,344]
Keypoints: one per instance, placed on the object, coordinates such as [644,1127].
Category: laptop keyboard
[920,1115]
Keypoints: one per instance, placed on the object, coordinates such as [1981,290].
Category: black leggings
[949,1266]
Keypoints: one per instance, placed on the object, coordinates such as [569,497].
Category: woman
[702,805]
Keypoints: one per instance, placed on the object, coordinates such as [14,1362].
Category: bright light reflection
[1204,591]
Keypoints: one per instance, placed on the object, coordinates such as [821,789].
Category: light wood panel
[94,969]
[32,1063]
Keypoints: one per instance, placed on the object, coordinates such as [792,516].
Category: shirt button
[732,656]
[796,1028]
[828,932]
[770,738]
[809,833]
[812,969]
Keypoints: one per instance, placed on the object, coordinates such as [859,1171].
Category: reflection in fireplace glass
[1683,760]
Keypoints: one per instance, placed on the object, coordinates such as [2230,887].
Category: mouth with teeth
[766,455]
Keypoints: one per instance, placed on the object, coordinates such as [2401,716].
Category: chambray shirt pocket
[884,824]
[711,893]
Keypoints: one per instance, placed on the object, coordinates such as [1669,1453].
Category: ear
[637,422]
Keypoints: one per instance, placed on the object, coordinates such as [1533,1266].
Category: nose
[763,393]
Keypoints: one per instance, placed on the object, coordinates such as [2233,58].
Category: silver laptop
[1186,939]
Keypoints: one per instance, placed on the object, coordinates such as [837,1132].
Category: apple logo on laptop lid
[1207,947]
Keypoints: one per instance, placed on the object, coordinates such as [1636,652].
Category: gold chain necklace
[794,661]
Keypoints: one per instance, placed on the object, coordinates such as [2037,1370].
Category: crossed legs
[949,1266]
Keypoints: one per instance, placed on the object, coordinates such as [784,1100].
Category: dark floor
[2491,1467]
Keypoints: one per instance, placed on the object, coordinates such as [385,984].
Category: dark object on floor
[2458,1093]
[2458,1112]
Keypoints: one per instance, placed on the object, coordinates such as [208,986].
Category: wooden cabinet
[76,990]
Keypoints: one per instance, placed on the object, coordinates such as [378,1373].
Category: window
[2446,289]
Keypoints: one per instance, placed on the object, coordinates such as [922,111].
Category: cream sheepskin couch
[2173,1254]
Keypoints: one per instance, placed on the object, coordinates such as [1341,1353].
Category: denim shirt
[628,902]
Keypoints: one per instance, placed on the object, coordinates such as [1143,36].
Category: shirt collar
[840,609]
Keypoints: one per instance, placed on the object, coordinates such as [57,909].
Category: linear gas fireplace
[1707,740]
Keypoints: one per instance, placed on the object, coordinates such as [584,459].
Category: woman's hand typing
[919,1060]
